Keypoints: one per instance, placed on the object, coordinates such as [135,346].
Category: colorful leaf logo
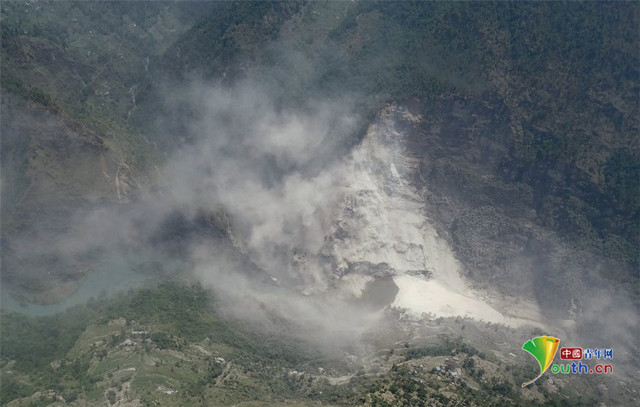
[543,348]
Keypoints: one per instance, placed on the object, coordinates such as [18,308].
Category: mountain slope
[317,165]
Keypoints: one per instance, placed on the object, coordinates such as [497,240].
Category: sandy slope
[382,223]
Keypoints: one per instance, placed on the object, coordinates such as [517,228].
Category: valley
[316,203]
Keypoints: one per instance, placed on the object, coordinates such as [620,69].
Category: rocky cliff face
[384,229]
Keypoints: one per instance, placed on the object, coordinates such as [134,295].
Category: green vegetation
[137,346]
[179,308]
[35,342]
[231,32]
[71,72]
[446,346]
[86,350]
[411,383]
[88,60]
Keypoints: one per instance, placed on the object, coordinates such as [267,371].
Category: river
[106,280]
